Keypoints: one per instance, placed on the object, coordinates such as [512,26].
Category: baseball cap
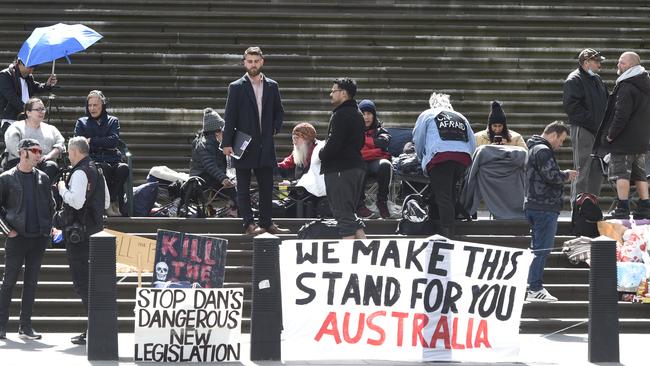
[27,143]
[588,54]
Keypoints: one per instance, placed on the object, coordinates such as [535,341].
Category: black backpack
[321,229]
[415,217]
[585,215]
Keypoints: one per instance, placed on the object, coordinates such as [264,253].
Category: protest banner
[402,300]
[188,325]
[188,259]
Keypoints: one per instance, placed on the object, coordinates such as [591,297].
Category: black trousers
[21,250]
[343,192]
[264,178]
[443,178]
[116,175]
[78,260]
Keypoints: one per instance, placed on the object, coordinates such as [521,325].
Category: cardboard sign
[188,325]
[402,300]
[187,258]
[134,251]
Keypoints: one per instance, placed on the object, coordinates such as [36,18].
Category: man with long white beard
[298,162]
[302,164]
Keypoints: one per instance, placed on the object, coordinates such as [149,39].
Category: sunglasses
[38,109]
[35,150]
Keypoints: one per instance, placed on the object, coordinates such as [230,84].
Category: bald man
[625,133]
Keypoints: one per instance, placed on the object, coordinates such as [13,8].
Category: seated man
[497,132]
[103,134]
[209,163]
[33,127]
[303,165]
[377,158]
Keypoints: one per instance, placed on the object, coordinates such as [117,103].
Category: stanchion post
[603,303]
[266,313]
[102,299]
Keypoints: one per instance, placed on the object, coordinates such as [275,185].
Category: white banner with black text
[404,300]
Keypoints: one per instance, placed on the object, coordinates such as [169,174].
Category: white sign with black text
[402,300]
[188,325]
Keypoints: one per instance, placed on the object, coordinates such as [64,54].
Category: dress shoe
[251,230]
[275,230]
[27,332]
[79,340]
[3,333]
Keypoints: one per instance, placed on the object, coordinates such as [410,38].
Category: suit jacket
[242,115]
[11,103]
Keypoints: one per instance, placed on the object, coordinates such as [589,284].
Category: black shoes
[618,213]
[27,332]
[3,333]
[79,340]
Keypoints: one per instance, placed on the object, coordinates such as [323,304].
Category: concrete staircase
[162,61]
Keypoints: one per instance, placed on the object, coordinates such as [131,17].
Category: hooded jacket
[376,140]
[11,102]
[627,118]
[104,134]
[584,99]
[207,158]
[544,179]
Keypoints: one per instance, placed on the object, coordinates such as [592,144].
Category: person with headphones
[102,131]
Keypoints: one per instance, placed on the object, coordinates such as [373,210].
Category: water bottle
[57,237]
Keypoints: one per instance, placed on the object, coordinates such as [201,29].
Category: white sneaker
[540,296]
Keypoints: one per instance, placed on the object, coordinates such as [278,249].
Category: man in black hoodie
[585,100]
[341,161]
[102,131]
[625,133]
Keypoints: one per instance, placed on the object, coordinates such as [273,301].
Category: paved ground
[559,349]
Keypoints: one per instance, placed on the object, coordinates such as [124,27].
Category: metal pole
[603,303]
[266,313]
[102,299]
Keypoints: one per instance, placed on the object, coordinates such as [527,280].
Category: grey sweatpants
[590,176]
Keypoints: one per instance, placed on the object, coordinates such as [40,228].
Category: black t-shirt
[32,228]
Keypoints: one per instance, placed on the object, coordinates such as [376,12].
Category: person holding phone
[497,131]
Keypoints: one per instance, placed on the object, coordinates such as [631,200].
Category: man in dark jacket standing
[585,100]
[625,133]
[102,131]
[543,202]
[254,107]
[27,209]
[341,161]
[17,85]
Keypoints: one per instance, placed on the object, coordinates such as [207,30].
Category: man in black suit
[254,107]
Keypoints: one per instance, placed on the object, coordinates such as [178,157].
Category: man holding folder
[254,107]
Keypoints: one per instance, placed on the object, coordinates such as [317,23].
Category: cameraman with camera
[85,197]
[26,219]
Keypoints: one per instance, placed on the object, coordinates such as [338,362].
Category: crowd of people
[334,170]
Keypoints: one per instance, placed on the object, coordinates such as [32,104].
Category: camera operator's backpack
[585,215]
[415,217]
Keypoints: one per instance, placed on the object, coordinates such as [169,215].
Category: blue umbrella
[60,40]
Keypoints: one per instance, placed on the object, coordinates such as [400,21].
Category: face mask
[590,72]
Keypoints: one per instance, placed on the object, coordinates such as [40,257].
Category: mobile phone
[498,139]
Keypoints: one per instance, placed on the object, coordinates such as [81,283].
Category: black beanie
[496,114]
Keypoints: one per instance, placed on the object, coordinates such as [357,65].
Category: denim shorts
[628,167]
